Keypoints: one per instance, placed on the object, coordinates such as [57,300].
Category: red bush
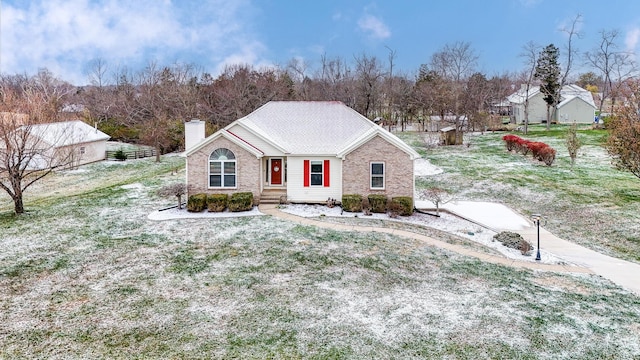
[522,146]
[511,141]
[539,150]
[547,155]
[535,147]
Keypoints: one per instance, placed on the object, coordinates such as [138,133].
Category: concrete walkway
[621,272]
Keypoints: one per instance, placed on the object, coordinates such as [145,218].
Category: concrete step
[273,196]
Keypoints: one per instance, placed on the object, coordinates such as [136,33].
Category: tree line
[150,105]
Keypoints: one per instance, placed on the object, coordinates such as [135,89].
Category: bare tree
[571,51]
[573,142]
[368,78]
[28,146]
[612,64]
[530,53]
[624,130]
[97,72]
[455,61]
[178,190]
[437,196]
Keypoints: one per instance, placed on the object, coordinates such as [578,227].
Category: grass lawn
[591,204]
[85,274]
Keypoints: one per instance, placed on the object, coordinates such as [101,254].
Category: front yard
[85,274]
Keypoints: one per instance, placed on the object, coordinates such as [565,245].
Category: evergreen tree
[548,72]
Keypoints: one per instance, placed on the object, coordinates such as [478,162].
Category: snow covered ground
[174,213]
[446,222]
[493,217]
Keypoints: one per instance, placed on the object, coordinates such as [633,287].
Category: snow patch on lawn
[422,167]
[446,222]
[175,213]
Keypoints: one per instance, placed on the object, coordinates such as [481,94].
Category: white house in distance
[576,105]
[306,151]
[70,143]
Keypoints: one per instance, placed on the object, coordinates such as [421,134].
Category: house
[306,151]
[576,105]
[67,143]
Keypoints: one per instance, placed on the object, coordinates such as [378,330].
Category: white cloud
[64,35]
[247,54]
[374,27]
[631,39]
[529,3]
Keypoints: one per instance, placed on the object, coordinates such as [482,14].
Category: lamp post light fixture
[536,219]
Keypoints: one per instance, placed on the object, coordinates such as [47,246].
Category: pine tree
[548,72]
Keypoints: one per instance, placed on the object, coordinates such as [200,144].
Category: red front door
[276,171]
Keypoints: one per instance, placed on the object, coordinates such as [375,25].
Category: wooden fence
[137,154]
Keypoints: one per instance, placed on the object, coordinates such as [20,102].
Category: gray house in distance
[576,105]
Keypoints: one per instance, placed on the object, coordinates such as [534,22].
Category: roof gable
[384,134]
[229,136]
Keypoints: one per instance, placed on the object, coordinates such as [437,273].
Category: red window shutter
[307,173]
[326,173]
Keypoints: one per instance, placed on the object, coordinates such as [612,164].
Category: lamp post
[536,220]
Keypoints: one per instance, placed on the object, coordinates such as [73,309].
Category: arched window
[222,169]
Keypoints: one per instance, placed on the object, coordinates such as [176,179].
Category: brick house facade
[301,151]
[397,164]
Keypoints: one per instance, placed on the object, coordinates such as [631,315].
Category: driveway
[498,217]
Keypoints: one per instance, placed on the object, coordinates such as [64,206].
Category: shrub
[547,155]
[241,201]
[407,204]
[352,202]
[522,146]
[378,203]
[510,141]
[366,207]
[120,155]
[395,208]
[539,150]
[536,147]
[217,202]
[514,241]
[197,202]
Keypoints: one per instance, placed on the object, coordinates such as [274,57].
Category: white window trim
[222,173]
[384,175]
[311,173]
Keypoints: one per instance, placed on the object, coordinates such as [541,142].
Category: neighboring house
[576,105]
[306,151]
[70,143]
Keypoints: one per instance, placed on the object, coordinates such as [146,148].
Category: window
[82,150]
[222,169]
[316,173]
[377,175]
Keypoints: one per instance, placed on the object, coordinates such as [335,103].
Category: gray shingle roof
[308,127]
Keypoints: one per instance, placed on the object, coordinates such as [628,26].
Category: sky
[66,36]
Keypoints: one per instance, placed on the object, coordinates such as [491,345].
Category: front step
[273,196]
